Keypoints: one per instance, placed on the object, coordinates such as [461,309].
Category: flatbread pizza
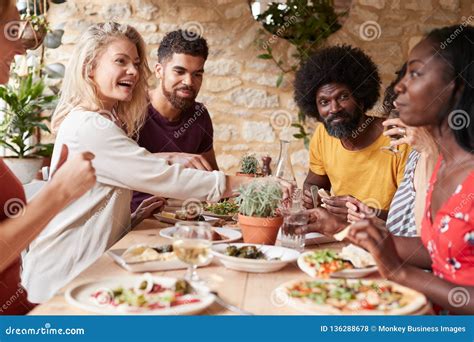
[325,263]
[352,297]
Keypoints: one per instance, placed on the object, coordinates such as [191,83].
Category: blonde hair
[4,6]
[79,90]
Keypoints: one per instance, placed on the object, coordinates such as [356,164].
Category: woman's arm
[455,298]
[188,160]
[70,182]
[412,251]
[391,266]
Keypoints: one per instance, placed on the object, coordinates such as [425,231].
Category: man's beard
[177,101]
[345,128]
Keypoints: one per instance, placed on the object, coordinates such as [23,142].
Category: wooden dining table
[253,292]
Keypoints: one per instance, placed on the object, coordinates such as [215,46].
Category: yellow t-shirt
[370,175]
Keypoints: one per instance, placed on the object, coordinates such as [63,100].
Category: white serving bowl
[285,255]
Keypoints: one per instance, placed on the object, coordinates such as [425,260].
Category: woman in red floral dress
[437,92]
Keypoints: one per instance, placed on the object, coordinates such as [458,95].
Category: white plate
[313,238]
[351,273]
[80,296]
[223,217]
[232,234]
[316,239]
[170,220]
[148,266]
[286,256]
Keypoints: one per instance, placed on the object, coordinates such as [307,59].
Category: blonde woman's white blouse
[84,230]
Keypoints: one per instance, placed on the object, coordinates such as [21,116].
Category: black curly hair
[182,41]
[454,44]
[338,64]
[390,94]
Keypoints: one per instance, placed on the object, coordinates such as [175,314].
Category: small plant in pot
[249,166]
[258,217]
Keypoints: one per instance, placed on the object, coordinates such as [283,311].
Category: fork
[222,302]
[229,306]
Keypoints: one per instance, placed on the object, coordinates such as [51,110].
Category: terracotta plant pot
[260,230]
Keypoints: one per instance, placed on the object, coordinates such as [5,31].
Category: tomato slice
[366,305]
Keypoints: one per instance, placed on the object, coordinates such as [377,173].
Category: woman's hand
[379,242]
[73,177]
[148,208]
[417,137]
[188,160]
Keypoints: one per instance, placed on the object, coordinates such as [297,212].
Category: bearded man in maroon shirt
[178,127]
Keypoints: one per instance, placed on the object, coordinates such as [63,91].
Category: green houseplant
[249,166]
[258,218]
[23,102]
[306,25]
[21,120]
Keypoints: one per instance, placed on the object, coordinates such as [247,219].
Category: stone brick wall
[239,89]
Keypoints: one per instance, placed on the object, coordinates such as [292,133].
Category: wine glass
[192,245]
[392,149]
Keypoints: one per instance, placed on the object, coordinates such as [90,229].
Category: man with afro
[338,85]
[177,127]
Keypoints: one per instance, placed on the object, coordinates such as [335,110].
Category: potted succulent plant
[258,217]
[249,166]
[21,120]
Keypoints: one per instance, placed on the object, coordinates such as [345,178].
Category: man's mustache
[191,89]
[341,115]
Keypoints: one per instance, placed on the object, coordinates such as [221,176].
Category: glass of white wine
[192,245]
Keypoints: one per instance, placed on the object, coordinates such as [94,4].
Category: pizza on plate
[145,296]
[322,263]
[353,297]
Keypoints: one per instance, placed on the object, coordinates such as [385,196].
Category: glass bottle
[284,170]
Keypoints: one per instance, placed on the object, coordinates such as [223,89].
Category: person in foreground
[111,72]
[21,223]
[437,92]
[176,126]
[339,85]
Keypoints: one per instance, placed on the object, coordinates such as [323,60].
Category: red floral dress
[449,236]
